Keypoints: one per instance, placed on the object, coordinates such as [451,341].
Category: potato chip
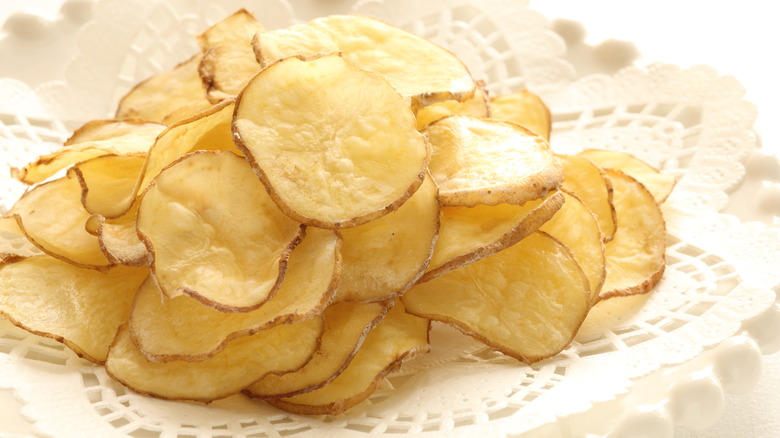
[469,234]
[105,179]
[526,301]
[483,161]
[525,108]
[476,106]
[334,145]
[384,257]
[636,257]
[219,237]
[589,183]
[81,308]
[119,239]
[156,98]
[398,338]
[377,47]
[658,183]
[286,347]
[184,329]
[346,326]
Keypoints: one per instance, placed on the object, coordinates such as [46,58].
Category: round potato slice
[184,329]
[414,66]
[524,108]
[636,257]
[591,185]
[478,161]
[335,146]
[384,257]
[526,301]
[81,308]
[658,183]
[214,232]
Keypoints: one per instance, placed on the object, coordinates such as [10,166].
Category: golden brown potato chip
[105,179]
[636,257]
[476,106]
[81,308]
[399,337]
[575,226]
[524,108]
[414,66]
[487,162]
[162,94]
[228,59]
[526,301]
[346,326]
[184,329]
[335,146]
[384,257]
[214,232]
[658,183]
[469,234]
[589,183]
[286,347]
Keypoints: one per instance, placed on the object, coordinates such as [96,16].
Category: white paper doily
[692,123]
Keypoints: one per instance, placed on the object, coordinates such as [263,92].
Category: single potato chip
[469,234]
[526,301]
[483,161]
[658,183]
[184,329]
[476,106]
[524,108]
[214,232]
[335,146]
[346,326]
[636,257]
[384,257]
[118,239]
[105,179]
[81,308]
[399,337]
[283,348]
[589,183]
[414,66]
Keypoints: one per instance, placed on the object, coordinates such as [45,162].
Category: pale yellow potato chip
[286,347]
[525,108]
[469,234]
[384,257]
[414,66]
[106,179]
[218,237]
[478,161]
[346,326]
[164,93]
[79,307]
[476,106]
[184,329]
[636,257]
[119,239]
[526,301]
[334,145]
[658,183]
[589,183]
[399,337]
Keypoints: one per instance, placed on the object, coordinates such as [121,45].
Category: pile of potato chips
[284,213]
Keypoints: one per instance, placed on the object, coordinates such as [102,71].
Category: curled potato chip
[79,307]
[346,326]
[286,347]
[476,106]
[589,183]
[351,154]
[119,239]
[184,329]
[377,47]
[658,183]
[105,179]
[219,238]
[526,301]
[399,337]
[524,108]
[384,257]
[156,98]
[469,234]
[483,161]
[636,257]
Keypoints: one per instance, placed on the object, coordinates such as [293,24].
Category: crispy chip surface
[525,108]
[476,106]
[335,146]
[106,179]
[658,183]
[589,183]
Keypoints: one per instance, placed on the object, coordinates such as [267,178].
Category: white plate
[649,371]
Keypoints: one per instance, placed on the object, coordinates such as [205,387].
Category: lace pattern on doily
[689,122]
